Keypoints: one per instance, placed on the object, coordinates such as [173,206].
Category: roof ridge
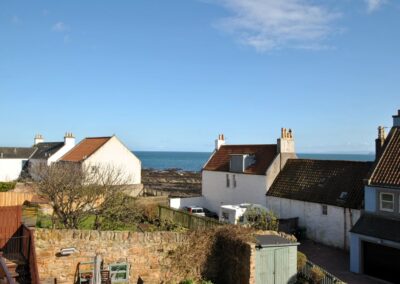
[324,160]
[228,145]
[99,137]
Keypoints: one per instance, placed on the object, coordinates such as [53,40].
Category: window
[324,209]
[387,202]
[234,180]
[228,182]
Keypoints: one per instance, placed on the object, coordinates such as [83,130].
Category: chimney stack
[219,142]
[286,142]
[38,139]
[69,139]
[379,142]
[396,119]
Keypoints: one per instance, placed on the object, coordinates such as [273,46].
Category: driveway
[335,261]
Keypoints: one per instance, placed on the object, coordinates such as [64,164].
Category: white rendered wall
[10,169]
[179,203]
[327,229]
[249,189]
[114,154]
[62,151]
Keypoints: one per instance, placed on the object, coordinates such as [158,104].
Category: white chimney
[219,142]
[38,139]
[286,142]
[69,139]
[396,119]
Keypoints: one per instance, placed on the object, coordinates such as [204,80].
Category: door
[381,262]
[265,266]
[281,258]
[272,266]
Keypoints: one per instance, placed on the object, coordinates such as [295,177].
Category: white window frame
[380,202]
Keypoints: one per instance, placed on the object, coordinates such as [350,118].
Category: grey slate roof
[16,152]
[386,228]
[46,149]
[272,241]
[338,183]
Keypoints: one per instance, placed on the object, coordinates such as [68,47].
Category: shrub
[261,219]
[187,281]
[301,260]
[6,186]
[316,274]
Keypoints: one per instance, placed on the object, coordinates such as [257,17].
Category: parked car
[201,211]
[195,210]
[210,214]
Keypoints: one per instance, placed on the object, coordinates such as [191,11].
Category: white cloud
[60,27]
[273,24]
[373,5]
[15,20]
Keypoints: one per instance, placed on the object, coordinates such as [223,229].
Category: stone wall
[144,251]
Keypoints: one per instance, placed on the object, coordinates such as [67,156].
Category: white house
[13,160]
[326,196]
[50,152]
[106,152]
[237,174]
[375,238]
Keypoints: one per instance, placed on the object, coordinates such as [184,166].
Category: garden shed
[276,260]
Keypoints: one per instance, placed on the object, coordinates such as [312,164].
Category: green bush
[6,186]
[261,219]
[187,281]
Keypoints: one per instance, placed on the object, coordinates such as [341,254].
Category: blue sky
[171,75]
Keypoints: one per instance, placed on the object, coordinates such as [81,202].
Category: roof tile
[386,171]
[322,181]
[84,149]
[264,156]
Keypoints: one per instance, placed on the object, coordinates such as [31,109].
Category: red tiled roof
[322,181]
[84,149]
[386,171]
[264,155]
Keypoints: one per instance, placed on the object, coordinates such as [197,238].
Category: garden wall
[144,251]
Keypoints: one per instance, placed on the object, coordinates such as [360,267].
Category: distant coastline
[194,161]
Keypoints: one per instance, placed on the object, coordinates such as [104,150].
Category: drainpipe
[345,229]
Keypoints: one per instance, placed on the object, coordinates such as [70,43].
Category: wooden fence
[14,198]
[186,219]
[328,279]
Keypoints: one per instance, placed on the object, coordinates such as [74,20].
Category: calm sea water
[194,161]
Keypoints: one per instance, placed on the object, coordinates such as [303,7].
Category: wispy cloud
[15,20]
[374,5]
[60,27]
[273,24]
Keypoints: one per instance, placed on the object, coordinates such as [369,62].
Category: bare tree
[76,192]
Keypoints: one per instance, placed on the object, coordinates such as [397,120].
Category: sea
[194,161]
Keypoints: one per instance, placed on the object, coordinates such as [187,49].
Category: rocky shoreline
[171,182]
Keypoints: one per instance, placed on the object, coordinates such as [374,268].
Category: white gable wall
[326,229]
[61,152]
[249,189]
[114,154]
[10,169]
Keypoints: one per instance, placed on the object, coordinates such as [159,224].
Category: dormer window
[386,201]
[240,162]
